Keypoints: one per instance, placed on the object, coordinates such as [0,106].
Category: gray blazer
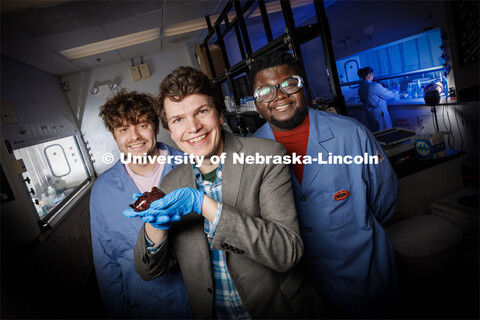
[257,229]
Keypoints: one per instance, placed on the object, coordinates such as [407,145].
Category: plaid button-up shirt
[228,303]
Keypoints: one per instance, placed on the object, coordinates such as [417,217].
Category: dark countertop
[419,102]
[412,165]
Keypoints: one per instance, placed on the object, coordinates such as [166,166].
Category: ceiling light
[111,44]
[188,26]
[104,88]
[200,23]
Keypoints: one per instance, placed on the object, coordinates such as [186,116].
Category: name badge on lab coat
[341,195]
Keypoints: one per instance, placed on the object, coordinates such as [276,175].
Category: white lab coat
[374,98]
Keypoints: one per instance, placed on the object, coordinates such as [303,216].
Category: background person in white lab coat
[134,124]
[374,98]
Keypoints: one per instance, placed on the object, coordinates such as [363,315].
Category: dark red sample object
[143,202]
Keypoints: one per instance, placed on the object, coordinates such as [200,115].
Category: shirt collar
[199,178]
[319,126]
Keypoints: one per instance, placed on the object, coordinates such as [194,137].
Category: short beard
[289,124]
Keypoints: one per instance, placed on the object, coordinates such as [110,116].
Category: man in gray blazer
[231,226]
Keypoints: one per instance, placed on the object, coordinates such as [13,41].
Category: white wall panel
[86,106]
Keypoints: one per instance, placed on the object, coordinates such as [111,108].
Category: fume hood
[55,171]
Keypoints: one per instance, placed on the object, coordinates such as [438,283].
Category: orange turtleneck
[295,140]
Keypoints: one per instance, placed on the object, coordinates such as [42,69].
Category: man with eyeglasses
[341,207]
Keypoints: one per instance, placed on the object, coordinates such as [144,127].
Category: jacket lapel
[192,245]
[184,178]
[187,178]
[231,174]
[319,132]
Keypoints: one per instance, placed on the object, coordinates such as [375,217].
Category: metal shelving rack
[292,38]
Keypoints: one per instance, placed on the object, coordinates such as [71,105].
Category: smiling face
[285,112]
[137,139]
[194,125]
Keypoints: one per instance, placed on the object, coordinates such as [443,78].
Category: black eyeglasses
[288,86]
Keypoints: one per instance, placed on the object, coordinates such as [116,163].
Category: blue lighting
[416,53]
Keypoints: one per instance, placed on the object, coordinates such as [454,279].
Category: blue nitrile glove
[162,222]
[130,213]
[135,196]
[163,212]
[178,202]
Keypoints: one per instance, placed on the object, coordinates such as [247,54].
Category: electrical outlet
[135,73]
[144,71]
[8,113]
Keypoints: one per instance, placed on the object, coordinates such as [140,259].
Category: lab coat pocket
[335,209]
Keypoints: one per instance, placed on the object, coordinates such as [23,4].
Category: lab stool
[427,252]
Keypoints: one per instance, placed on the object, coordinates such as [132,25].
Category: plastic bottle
[43,206]
[60,186]
[51,193]
[397,93]
[228,104]
[419,133]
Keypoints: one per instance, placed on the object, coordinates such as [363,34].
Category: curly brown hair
[128,107]
[182,82]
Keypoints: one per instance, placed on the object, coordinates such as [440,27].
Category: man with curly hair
[134,124]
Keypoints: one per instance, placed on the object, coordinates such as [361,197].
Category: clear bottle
[42,204]
[228,104]
[51,194]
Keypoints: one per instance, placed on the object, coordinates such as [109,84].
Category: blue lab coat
[124,293]
[351,258]
[374,98]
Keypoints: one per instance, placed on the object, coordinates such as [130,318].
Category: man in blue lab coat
[131,118]
[341,207]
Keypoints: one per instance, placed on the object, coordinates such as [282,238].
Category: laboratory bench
[407,164]
[417,102]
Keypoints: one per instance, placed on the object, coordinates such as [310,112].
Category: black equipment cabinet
[244,124]
[291,39]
